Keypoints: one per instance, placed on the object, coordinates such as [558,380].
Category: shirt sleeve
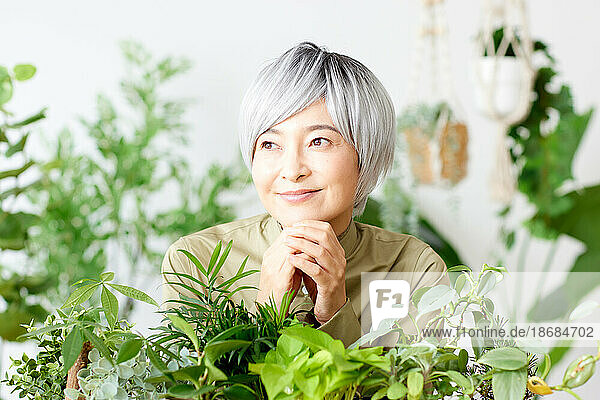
[343,325]
[430,270]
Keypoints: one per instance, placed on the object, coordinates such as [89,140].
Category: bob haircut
[357,102]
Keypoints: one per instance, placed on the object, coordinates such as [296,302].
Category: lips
[297,192]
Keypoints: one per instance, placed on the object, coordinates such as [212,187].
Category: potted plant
[502,75]
[437,143]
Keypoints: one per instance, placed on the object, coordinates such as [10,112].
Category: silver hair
[357,102]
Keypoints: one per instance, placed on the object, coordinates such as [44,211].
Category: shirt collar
[348,239]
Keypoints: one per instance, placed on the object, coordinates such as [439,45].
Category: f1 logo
[388,299]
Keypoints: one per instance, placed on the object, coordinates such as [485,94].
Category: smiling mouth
[295,198]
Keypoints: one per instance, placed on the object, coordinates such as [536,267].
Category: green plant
[543,149]
[310,364]
[20,288]
[221,337]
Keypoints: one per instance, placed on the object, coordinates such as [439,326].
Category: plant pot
[453,152]
[499,83]
[419,152]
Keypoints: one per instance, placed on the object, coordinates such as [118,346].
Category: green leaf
[397,391]
[133,293]
[195,261]
[155,359]
[24,72]
[186,328]
[487,283]
[80,295]
[461,380]
[71,347]
[509,358]
[183,390]
[509,385]
[213,258]
[99,344]
[315,339]
[107,276]
[459,268]
[544,367]
[239,392]
[414,381]
[129,349]
[6,87]
[110,304]
[17,147]
[436,298]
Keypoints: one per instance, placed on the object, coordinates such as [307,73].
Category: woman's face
[306,152]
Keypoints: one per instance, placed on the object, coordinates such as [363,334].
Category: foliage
[545,144]
[311,363]
[221,337]
[63,337]
[95,205]
[210,347]
[18,290]
[43,375]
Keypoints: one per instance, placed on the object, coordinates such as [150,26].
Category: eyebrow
[309,128]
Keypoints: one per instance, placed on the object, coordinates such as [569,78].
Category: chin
[290,217]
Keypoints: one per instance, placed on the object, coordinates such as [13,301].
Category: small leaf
[544,367]
[24,71]
[186,328]
[71,347]
[133,293]
[129,349]
[110,304]
[508,358]
[107,276]
[80,295]
[488,282]
[459,268]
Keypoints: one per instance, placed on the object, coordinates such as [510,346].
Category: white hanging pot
[500,83]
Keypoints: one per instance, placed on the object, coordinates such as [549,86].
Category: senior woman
[317,130]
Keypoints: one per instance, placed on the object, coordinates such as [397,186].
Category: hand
[325,265]
[277,275]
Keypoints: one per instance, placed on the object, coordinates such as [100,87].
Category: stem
[572,393]
[520,267]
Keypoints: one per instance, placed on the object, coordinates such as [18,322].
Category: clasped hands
[309,251]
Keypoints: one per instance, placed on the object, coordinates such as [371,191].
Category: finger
[318,274]
[325,239]
[318,252]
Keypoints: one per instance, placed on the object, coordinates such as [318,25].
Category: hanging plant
[437,143]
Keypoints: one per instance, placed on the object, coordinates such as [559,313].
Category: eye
[266,145]
[319,140]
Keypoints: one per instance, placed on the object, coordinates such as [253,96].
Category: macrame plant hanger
[505,77]
[432,117]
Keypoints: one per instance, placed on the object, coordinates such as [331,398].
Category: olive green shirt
[368,249]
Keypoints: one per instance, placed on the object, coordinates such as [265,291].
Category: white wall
[74,46]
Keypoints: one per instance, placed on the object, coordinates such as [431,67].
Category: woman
[317,130]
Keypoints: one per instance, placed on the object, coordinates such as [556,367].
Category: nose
[294,165]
